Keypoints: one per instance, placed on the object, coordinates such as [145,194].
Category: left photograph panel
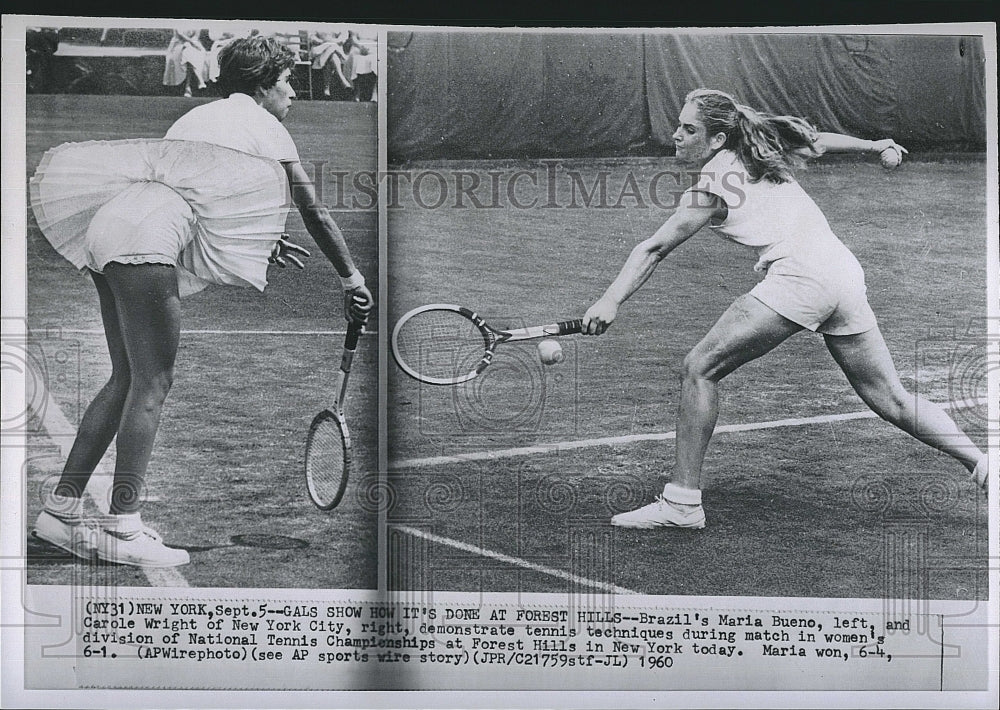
[202,247]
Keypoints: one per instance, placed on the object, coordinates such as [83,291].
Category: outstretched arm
[840,143]
[696,209]
[357,299]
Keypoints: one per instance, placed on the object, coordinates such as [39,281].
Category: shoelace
[131,534]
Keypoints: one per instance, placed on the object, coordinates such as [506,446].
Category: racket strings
[325,461]
[440,344]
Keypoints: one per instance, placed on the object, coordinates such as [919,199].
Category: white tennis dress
[811,278]
[211,198]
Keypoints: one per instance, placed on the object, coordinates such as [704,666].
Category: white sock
[126,525]
[63,507]
[681,496]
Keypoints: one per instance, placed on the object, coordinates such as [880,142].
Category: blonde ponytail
[768,146]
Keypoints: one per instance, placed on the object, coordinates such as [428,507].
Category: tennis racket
[441,344]
[328,445]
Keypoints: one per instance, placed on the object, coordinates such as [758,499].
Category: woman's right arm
[324,230]
[691,215]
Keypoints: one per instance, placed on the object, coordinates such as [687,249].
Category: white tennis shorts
[831,299]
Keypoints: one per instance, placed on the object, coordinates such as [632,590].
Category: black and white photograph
[753,421]
[194,259]
[690,314]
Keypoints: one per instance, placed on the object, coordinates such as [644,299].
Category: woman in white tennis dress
[746,192]
[152,221]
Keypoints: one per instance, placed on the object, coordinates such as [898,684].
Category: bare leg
[327,78]
[100,422]
[866,361]
[747,330]
[149,312]
[337,67]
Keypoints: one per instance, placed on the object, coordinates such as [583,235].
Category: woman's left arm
[840,143]
[357,298]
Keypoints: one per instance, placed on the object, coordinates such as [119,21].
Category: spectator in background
[359,68]
[219,41]
[328,53]
[186,60]
[41,43]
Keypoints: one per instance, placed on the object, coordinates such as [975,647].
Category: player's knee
[163,381]
[119,384]
[153,387]
[890,403]
[697,365]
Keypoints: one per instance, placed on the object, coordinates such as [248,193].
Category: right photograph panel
[688,314]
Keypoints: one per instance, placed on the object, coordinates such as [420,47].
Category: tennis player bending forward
[151,221]
[746,191]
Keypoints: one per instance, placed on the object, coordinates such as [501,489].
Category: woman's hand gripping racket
[328,446]
[441,344]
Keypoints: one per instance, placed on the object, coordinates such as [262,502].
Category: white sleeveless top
[778,220]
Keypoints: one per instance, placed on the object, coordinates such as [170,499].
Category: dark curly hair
[252,63]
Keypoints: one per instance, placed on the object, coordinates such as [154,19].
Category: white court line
[559,446]
[100,331]
[607,441]
[516,561]
[62,432]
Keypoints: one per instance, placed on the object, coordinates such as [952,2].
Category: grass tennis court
[251,372]
[835,506]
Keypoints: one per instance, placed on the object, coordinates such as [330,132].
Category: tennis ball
[890,157]
[550,352]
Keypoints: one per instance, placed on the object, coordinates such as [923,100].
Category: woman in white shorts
[746,192]
[154,220]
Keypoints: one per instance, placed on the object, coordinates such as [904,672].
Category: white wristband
[353,281]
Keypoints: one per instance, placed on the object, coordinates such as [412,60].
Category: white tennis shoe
[106,521]
[662,513]
[71,533]
[139,549]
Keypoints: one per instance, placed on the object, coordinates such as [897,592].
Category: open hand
[284,252]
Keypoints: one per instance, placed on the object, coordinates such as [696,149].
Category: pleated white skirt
[213,212]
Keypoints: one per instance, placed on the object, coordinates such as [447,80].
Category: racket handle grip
[568,327]
[353,335]
[350,345]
